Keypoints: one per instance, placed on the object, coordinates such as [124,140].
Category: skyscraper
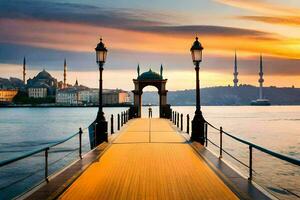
[235,73]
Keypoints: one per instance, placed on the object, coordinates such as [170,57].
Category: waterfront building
[42,85]
[235,73]
[67,96]
[12,83]
[9,89]
[90,96]
[115,97]
[70,95]
[38,91]
[7,95]
[81,95]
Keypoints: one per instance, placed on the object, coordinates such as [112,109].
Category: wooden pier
[149,160]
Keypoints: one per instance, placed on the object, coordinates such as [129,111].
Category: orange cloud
[83,38]
[262,6]
[280,20]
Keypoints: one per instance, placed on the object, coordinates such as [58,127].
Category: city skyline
[137,32]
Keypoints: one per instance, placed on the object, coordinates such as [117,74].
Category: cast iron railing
[35,166]
[251,146]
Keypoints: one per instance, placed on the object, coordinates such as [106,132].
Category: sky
[151,33]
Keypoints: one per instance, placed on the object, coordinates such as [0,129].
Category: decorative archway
[153,79]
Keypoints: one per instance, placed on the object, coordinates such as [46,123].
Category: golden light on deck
[136,168]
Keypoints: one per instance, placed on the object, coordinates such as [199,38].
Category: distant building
[7,95]
[70,95]
[109,97]
[12,83]
[81,95]
[38,91]
[42,85]
[9,89]
[90,96]
[115,97]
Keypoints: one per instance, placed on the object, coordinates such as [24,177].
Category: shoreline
[127,105]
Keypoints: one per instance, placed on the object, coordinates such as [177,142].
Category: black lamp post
[101,126]
[198,121]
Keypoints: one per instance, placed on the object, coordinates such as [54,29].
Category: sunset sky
[152,33]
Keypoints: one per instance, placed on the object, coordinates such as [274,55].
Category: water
[26,129]
[273,127]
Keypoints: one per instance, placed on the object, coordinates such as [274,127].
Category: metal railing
[250,145]
[44,149]
[25,171]
[60,149]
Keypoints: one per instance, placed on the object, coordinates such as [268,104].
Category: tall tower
[261,80]
[24,70]
[235,73]
[65,74]
[138,70]
[161,70]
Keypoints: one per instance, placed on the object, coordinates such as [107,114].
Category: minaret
[65,74]
[261,80]
[76,83]
[235,73]
[138,70]
[24,70]
[161,70]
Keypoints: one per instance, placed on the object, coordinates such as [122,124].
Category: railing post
[221,141]
[181,122]
[250,163]
[118,121]
[95,136]
[80,143]
[206,131]
[177,120]
[175,117]
[46,164]
[122,119]
[188,123]
[112,124]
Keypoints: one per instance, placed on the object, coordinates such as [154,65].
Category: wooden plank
[166,168]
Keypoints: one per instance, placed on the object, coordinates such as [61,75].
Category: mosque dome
[44,75]
[150,75]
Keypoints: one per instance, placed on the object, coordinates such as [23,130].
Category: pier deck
[149,160]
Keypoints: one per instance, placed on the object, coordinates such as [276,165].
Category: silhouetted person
[150,112]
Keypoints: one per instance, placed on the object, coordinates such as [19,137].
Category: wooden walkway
[149,160]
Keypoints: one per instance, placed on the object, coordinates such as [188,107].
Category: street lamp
[198,121]
[101,126]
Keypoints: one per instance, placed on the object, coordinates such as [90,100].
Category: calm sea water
[273,127]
